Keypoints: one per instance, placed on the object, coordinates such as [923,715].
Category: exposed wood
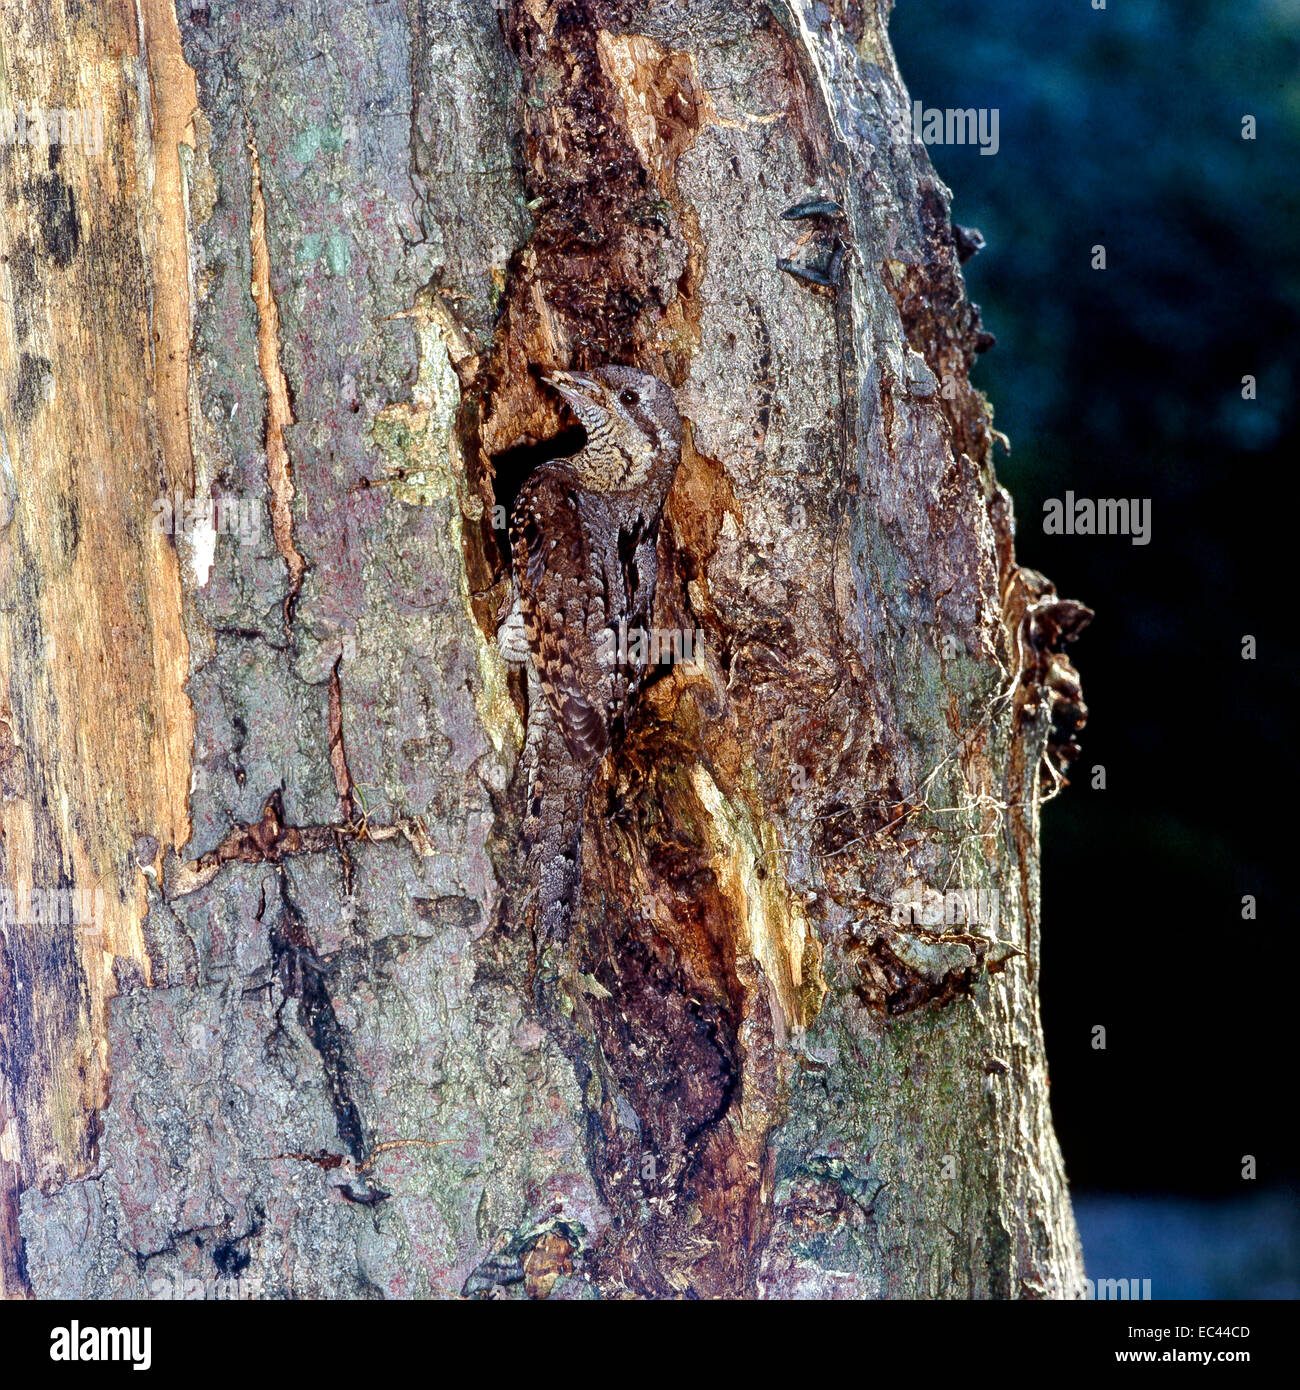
[94,355]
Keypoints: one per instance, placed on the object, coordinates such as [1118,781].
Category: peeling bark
[785,1073]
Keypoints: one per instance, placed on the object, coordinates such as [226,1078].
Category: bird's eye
[630,397]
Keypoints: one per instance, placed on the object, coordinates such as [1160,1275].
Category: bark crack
[270,840]
[338,753]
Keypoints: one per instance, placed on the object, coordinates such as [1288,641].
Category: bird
[583,534]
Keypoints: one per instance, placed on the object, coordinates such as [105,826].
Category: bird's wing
[565,607]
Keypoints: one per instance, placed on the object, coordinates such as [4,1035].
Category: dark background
[1123,127]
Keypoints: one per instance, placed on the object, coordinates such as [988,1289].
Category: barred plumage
[583,533]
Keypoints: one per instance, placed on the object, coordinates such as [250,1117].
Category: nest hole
[511,468]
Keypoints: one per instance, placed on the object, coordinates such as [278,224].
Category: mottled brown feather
[561,594]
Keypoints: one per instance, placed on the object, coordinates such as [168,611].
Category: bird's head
[633,428]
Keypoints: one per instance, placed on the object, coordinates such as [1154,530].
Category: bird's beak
[583,393]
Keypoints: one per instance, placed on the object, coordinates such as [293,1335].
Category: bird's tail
[557,793]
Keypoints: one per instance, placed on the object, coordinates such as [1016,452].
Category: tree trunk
[265,373]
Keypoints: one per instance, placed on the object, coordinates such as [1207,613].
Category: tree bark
[313,272]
